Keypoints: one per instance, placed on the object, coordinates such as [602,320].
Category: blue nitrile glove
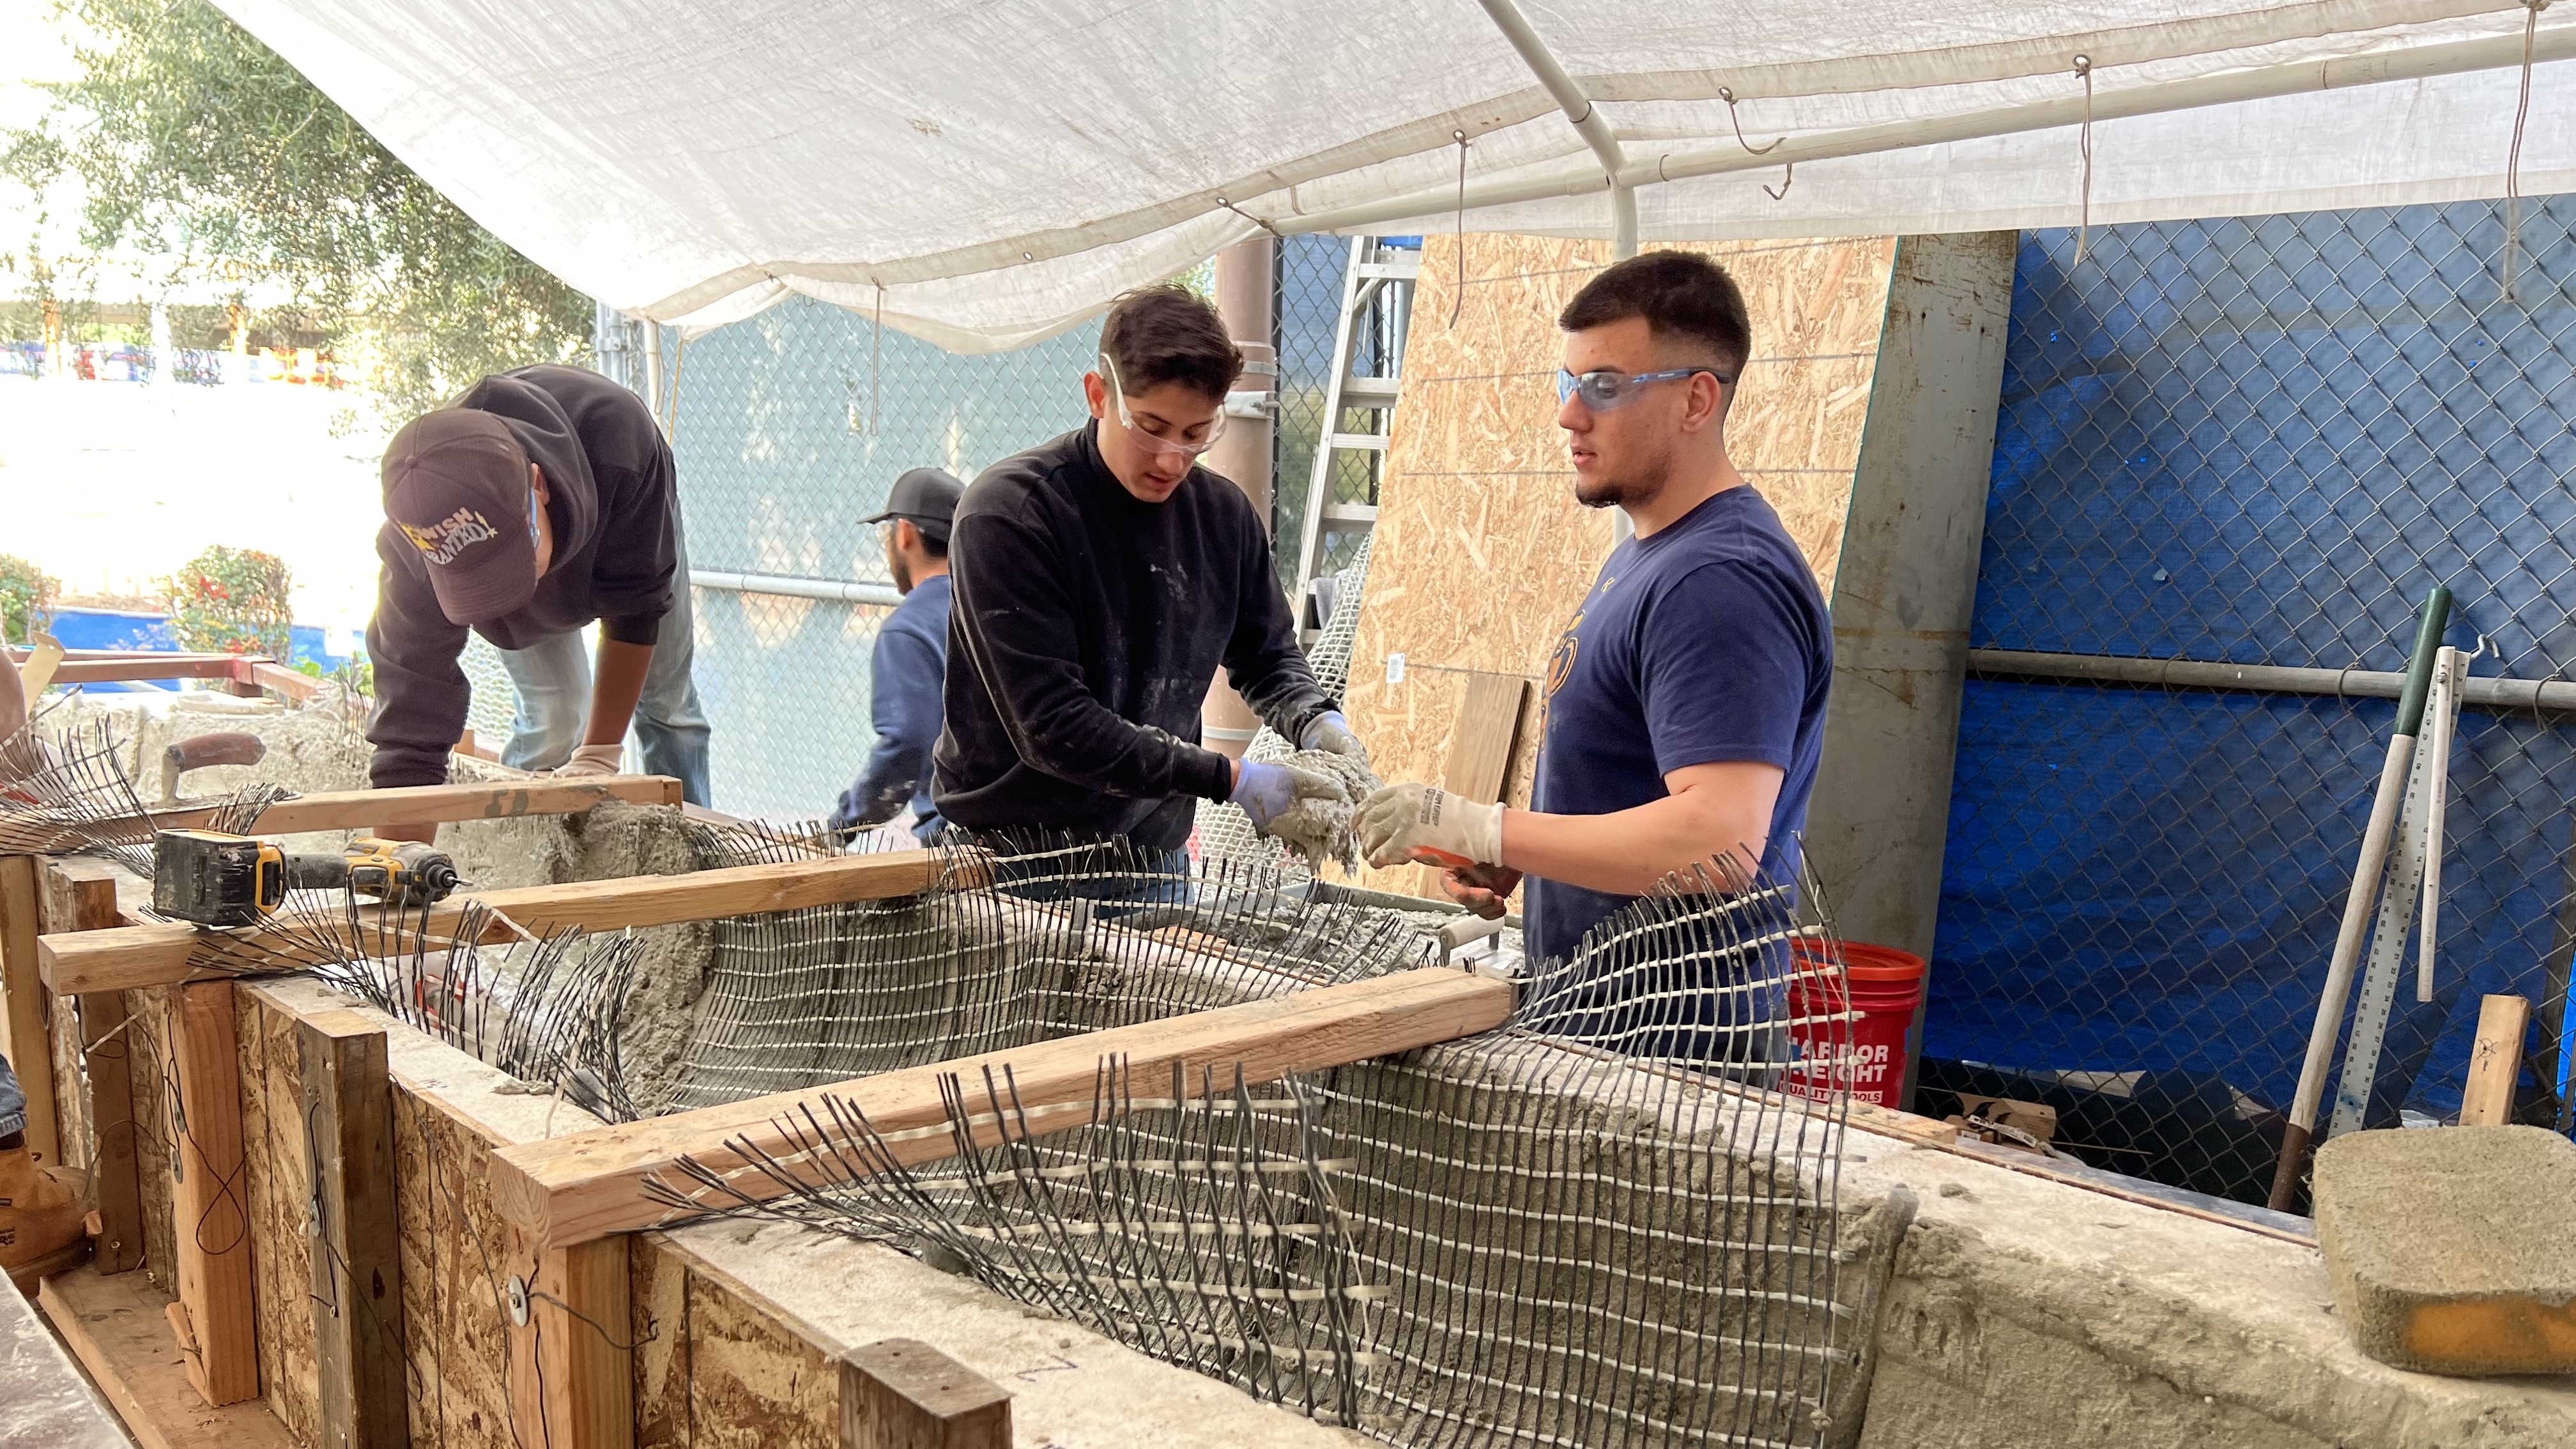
[1266,791]
[1329,731]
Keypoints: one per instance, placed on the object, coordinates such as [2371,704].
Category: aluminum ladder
[1377,298]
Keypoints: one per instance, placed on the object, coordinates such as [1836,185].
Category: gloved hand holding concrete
[1332,733]
[1267,791]
[593,760]
[1427,824]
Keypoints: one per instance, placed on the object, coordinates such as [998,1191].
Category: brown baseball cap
[456,484]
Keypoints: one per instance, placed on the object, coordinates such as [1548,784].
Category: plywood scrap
[117,1328]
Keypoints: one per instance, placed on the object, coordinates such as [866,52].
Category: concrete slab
[2449,1247]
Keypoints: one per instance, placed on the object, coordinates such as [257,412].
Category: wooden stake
[571,1347]
[210,1199]
[356,1252]
[80,895]
[26,1020]
[573,1189]
[2495,1062]
[156,955]
[1479,763]
[903,1394]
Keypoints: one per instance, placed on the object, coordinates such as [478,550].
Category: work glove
[593,760]
[1329,731]
[1430,825]
[1267,791]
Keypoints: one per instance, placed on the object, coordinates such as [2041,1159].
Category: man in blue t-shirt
[1685,704]
[909,668]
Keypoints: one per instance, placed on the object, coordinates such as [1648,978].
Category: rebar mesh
[2254,441]
[1613,1223]
[1018,945]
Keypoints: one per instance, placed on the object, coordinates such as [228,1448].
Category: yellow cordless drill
[215,879]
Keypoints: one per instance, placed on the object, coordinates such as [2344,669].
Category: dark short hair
[1680,294]
[1166,333]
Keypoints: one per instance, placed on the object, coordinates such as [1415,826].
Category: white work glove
[593,760]
[1330,732]
[1427,824]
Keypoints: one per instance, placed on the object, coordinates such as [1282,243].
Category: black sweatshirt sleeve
[1262,660]
[1020,641]
[421,693]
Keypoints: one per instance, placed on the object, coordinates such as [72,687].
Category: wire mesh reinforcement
[1613,1223]
[2256,441]
[1018,946]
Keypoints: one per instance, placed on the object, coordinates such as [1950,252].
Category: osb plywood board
[148,1032]
[718,1372]
[278,1165]
[454,1257]
[1482,553]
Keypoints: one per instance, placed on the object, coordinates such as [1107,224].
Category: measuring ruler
[2389,934]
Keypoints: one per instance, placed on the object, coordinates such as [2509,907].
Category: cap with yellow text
[457,485]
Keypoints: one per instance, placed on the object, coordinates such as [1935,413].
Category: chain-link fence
[2255,441]
[789,429]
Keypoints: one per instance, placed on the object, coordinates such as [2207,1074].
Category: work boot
[41,1218]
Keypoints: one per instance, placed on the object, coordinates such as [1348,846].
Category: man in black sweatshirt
[538,501]
[1100,580]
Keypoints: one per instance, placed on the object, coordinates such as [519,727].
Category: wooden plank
[153,955]
[209,1207]
[80,894]
[356,1250]
[439,804]
[901,1393]
[2495,1062]
[572,1383]
[115,1327]
[1481,746]
[134,667]
[576,1188]
[1488,730]
[26,1025]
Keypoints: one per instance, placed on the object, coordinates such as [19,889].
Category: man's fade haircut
[1166,333]
[1680,294]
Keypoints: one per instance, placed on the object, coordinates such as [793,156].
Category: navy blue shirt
[906,674]
[1704,643]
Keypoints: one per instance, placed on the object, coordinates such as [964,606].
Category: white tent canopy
[985,173]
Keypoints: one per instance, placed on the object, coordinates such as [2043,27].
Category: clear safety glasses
[1157,442]
[1603,391]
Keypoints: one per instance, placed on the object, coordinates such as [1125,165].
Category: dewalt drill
[215,879]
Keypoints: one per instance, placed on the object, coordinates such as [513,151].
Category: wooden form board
[217,1318]
[151,955]
[26,1017]
[572,1190]
[440,804]
[901,1393]
[1481,554]
[356,1279]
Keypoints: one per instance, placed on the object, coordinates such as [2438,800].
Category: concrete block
[2448,1247]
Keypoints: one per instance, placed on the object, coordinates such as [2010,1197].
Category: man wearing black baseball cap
[537,502]
[907,670]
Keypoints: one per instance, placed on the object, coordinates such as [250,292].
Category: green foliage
[194,140]
[25,592]
[357,676]
[231,601]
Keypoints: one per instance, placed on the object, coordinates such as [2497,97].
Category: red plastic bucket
[1883,985]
